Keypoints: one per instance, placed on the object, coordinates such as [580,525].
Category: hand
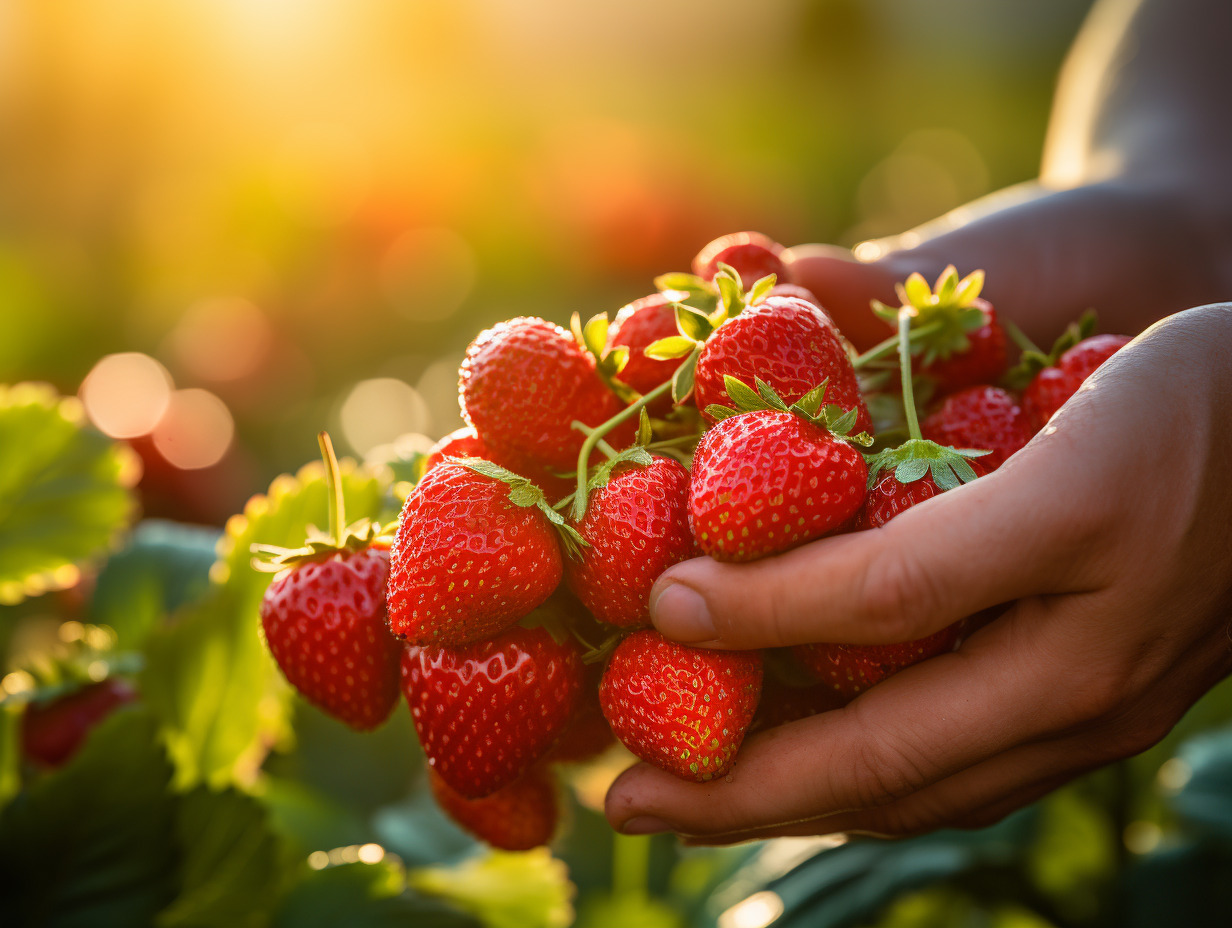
[1107,536]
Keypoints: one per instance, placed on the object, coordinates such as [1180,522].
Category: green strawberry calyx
[609,361]
[321,546]
[524,492]
[811,407]
[942,316]
[1033,360]
[910,461]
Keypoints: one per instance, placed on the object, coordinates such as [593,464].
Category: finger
[936,563]
[927,723]
[845,287]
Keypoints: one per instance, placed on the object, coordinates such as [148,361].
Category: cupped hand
[1106,542]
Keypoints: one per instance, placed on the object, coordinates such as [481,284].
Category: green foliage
[209,676]
[363,896]
[504,890]
[64,491]
[94,843]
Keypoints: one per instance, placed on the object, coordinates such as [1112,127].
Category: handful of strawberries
[724,415]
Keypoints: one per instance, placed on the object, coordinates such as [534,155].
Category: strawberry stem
[1019,337]
[886,347]
[904,367]
[333,487]
[595,435]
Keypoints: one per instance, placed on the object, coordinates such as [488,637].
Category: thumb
[934,564]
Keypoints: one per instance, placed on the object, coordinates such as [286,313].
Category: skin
[1103,542]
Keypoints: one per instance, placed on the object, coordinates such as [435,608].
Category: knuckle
[883,768]
[898,595]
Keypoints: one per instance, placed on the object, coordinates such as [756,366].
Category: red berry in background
[517,817]
[797,292]
[683,709]
[521,385]
[53,731]
[636,526]
[791,345]
[984,360]
[751,254]
[466,443]
[850,669]
[467,561]
[782,703]
[764,482]
[588,734]
[984,418]
[325,625]
[1053,386]
[642,323]
[485,712]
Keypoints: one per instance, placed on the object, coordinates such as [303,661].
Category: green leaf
[719,413]
[911,470]
[678,280]
[64,491]
[810,403]
[233,866]
[763,286]
[594,335]
[773,400]
[682,380]
[674,346]
[645,433]
[969,288]
[729,293]
[916,290]
[209,677]
[504,890]
[94,843]
[617,359]
[743,396]
[839,420]
[947,285]
[358,895]
[575,326]
[692,324]
[164,566]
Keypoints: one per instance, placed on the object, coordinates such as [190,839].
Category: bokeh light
[196,430]
[427,273]
[377,411]
[126,394]
[222,339]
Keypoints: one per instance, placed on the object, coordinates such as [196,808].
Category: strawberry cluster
[723,415]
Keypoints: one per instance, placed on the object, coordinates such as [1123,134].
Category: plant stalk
[594,435]
[333,487]
[904,369]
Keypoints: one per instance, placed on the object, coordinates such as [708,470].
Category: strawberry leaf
[719,413]
[688,283]
[916,457]
[594,334]
[692,324]
[760,289]
[673,346]
[503,890]
[64,491]
[683,379]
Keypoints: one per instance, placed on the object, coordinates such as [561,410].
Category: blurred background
[228,223]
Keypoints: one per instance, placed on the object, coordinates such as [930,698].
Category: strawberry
[1053,386]
[325,625]
[53,730]
[682,709]
[751,254]
[983,417]
[954,332]
[324,615]
[850,669]
[466,443]
[771,478]
[797,292]
[588,734]
[783,702]
[476,550]
[639,325]
[486,711]
[523,382]
[788,343]
[635,527]
[517,817]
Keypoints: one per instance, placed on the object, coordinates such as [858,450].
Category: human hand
[1107,538]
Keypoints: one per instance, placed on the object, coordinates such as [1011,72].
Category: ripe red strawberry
[588,734]
[983,360]
[325,625]
[636,526]
[52,731]
[788,343]
[516,817]
[638,325]
[466,443]
[486,711]
[770,479]
[985,418]
[324,614]
[1053,386]
[850,669]
[799,293]
[474,553]
[524,381]
[751,254]
[682,709]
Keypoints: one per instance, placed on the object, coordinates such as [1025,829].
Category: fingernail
[644,825]
[681,613]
